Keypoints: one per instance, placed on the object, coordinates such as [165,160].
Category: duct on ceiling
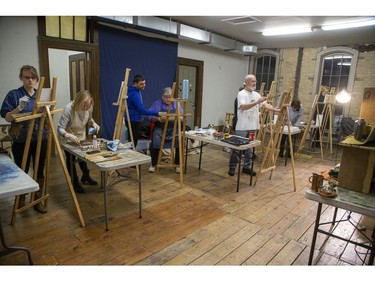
[182,31]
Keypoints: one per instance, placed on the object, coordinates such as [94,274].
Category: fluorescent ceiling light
[349,24]
[286,31]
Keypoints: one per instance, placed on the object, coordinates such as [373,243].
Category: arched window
[266,64]
[336,68]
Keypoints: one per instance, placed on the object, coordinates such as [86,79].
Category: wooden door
[77,74]
[191,70]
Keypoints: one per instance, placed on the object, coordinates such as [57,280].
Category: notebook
[236,140]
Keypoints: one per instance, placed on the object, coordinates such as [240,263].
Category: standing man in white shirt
[249,103]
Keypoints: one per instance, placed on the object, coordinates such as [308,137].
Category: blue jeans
[248,153]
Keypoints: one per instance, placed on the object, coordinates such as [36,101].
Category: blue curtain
[154,59]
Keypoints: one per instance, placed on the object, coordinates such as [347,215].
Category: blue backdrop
[154,59]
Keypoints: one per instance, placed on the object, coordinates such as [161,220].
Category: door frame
[92,51]
[199,65]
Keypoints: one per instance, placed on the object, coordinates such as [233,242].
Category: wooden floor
[204,223]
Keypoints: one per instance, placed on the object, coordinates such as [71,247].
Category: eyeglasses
[29,77]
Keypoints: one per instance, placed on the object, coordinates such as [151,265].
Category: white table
[209,139]
[351,201]
[129,158]
[13,182]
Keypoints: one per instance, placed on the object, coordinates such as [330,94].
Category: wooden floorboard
[206,222]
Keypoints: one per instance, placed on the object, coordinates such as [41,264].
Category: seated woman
[162,105]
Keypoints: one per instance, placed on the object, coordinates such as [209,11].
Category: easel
[266,116]
[273,147]
[48,109]
[314,108]
[328,109]
[123,109]
[181,128]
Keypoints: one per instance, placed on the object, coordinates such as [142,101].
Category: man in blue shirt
[136,108]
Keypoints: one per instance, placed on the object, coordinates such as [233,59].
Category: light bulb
[343,97]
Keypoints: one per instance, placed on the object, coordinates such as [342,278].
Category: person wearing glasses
[22,100]
[161,105]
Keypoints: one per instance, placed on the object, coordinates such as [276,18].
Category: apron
[78,126]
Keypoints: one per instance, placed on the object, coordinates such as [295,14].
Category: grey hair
[167,91]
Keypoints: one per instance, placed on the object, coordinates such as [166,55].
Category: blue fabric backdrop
[154,59]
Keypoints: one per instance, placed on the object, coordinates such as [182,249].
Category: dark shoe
[232,171]
[78,188]
[248,171]
[87,179]
[21,202]
[40,208]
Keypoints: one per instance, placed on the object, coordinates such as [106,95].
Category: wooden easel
[266,116]
[123,109]
[181,128]
[328,113]
[314,108]
[47,109]
[273,147]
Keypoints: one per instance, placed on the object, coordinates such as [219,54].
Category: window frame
[332,51]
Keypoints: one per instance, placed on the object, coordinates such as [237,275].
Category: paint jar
[359,128]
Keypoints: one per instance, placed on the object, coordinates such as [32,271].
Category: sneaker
[151,169]
[232,171]
[248,171]
[177,170]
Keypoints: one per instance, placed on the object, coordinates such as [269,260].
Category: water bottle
[94,142]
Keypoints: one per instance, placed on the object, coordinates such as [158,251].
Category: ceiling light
[343,97]
[349,24]
[286,31]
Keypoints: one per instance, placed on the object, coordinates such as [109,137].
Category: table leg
[252,166]
[239,170]
[372,254]
[140,193]
[315,234]
[9,250]
[200,154]
[104,187]
[186,153]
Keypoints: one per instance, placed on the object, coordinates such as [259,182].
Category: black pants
[155,155]
[135,132]
[83,165]
[18,149]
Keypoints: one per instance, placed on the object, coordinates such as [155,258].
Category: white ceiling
[250,33]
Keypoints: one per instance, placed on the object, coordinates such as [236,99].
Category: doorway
[192,70]
[90,65]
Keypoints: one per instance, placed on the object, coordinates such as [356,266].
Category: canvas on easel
[44,110]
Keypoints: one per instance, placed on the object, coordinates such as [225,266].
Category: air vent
[240,20]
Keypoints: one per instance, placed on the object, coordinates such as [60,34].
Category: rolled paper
[185,89]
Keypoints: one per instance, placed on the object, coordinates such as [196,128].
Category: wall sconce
[343,97]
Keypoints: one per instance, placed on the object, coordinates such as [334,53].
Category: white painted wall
[18,46]
[223,74]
